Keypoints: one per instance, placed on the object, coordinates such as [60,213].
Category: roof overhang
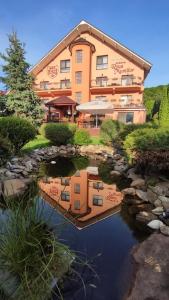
[75,33]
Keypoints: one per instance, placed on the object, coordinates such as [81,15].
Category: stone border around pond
[19,171]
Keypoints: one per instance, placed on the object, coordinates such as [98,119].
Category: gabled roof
[63,100]
[84,27]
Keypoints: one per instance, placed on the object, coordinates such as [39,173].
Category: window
[79,56]
[97,200]
[102,98]
[77,188]
[102,62]
[65,181]
[44,85]
[98,185]
[65,196]
[126,79]
[101,81]
[77,204]
[78,77]
[125,99]
[65,66]
[65,84]
[126,117]
[78,97]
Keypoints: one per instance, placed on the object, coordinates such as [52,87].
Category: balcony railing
[52,86]
[114,82]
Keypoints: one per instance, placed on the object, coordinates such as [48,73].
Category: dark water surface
[106,242]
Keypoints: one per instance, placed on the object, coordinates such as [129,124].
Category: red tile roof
[63,100]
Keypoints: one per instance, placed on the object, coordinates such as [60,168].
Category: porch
[61,109]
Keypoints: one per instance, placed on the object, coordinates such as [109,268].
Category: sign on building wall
[52,71]
[119,67]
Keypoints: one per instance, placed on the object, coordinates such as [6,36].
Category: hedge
[17,130]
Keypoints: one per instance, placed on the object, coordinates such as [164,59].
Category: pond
[79,195]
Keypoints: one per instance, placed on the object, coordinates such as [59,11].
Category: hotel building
[88,65]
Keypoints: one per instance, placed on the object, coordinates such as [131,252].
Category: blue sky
[141,25]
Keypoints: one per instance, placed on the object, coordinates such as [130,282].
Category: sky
[140,25]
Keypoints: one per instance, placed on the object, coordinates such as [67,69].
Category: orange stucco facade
[88,65]
[87,196]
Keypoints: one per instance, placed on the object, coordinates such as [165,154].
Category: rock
[129,191]
[117,156]
[120,168]
[145,217]
[158,210]
[151,196]
[165,201]
[10,174]
[13,187]
[157,203]
[142,195]
[132,201]
[155,224]
[152,259]
[164,230]
[53,162]
[115,173]
[132,175]
[161,189]
[138,183]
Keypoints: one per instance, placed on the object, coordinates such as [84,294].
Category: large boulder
[152,260]
[158,210]
[14,187]
[138,183]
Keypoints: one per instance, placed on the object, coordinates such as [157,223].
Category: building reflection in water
[83,198]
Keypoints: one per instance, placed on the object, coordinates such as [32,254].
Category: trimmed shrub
[127,129]
[58,134]
[109,130]
[82,137]
[72,127]
[147,139]
[5,146]
[18,131]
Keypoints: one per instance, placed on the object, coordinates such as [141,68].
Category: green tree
[164,108]
[152,99]
[3,105]
[21,99]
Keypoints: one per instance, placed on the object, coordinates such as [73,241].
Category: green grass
[39,142]
[96,140]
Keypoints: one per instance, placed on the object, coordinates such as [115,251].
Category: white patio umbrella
[96,108]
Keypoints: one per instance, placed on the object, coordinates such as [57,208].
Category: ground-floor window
[126,117]
[77,204]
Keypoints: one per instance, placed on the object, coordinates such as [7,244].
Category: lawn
[41,142]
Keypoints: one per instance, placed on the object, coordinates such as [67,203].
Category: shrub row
[147,139]
[62,134]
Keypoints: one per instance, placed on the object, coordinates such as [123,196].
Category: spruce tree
[21,99]
[164,108]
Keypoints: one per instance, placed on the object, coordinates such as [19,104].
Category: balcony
[115,86]
[46,88]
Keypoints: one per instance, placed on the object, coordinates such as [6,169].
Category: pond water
[79,196]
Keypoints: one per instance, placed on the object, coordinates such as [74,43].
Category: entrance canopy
[96,107]
[61,101]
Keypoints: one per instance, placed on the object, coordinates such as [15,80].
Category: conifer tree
[21,99]
[164,108]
